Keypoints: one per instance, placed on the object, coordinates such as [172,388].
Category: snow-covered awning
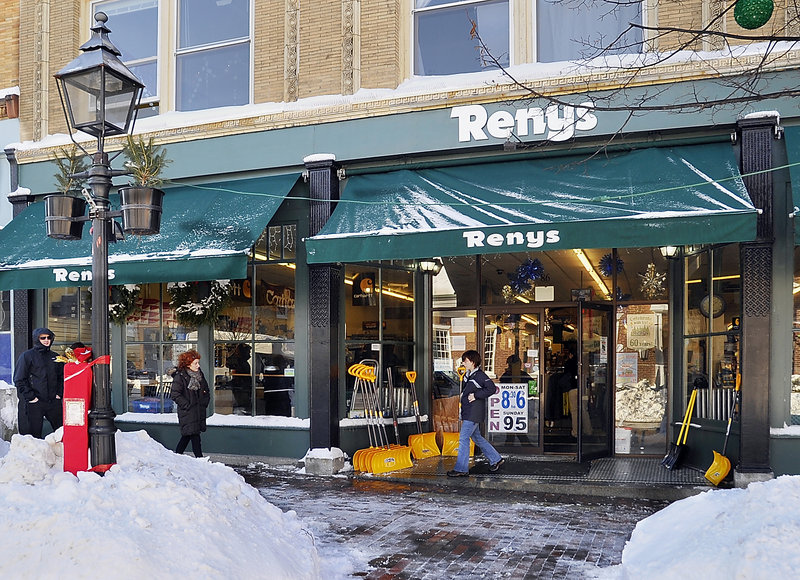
[206,234]
[649,197]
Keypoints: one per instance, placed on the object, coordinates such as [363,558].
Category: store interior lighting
[592,272]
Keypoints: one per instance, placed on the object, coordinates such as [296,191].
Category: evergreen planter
[64,216]
[141,209]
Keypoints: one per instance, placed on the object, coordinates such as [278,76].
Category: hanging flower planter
[141,210]
[64,216]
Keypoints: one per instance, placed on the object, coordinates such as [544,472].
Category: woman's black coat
[191,404]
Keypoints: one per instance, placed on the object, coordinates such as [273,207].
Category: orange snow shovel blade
[719,469]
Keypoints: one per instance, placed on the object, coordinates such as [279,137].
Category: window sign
[508,409]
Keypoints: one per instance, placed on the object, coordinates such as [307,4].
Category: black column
[20,299]
[324,283]
[757,136]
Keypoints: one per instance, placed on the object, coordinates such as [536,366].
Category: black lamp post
[99,96]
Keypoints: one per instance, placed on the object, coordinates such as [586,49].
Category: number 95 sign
[508,409]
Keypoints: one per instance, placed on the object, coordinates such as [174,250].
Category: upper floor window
[461,36]
[578,29]
[443,43]
[135,32]
[210,41]
[213,54]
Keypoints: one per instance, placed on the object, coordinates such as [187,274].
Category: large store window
[5,337]
[212,60]
[713,306]
[446,31]
[254,337]
[795,388]
[153,341]
[379,327]
[69,316]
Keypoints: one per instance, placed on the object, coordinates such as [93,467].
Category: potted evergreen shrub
[64,212]
[141,200]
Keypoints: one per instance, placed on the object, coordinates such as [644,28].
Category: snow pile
[8,410]
[153,515]
[735,533]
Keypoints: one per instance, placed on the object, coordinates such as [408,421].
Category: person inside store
[39,379]
[476,387]
[514,372]
[191,395]
[568,383]
[277,387]
[238,362]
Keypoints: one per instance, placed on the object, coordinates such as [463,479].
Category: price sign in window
[508,409]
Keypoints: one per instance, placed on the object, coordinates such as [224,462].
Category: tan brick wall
[320,48]
[9,40]
[380,44]
[268,50]
[51,41]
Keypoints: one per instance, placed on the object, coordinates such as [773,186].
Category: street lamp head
[669,251]
[430,266]
[98,92]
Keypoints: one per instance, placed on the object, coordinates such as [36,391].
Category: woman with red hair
[191,395]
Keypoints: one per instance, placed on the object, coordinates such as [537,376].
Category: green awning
[792,138]
[648,197]
[206,234]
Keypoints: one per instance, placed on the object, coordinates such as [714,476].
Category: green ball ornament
[752,14]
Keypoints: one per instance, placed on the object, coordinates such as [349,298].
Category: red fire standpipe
[77,401]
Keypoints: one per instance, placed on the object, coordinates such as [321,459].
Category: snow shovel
[362,372]
[422,444]
[389,457]
[673,457]
[450,440]
[721,465]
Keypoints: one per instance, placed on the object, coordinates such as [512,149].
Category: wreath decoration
[193,308]
[124,302]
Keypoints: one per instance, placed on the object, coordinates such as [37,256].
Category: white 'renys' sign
[64,275]
[528,239]
[556,122]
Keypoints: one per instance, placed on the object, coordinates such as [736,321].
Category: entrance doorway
[558,359]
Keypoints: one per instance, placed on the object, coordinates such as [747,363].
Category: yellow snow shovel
[422,444]
[380,457]
[721,465]
[450,440]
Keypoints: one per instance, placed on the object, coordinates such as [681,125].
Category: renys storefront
[634,258]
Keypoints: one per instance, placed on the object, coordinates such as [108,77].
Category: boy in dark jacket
[476,387]
[40,385]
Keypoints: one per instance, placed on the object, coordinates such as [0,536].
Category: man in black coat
[39,379]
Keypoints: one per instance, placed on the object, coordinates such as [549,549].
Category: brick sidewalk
[412,531]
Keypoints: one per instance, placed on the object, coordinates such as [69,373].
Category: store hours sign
[508,409]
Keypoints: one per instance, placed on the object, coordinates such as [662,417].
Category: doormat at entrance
[534,468]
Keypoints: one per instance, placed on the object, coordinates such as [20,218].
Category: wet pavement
[382,528]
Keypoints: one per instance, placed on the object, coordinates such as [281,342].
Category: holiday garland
[191,310]
[124,304]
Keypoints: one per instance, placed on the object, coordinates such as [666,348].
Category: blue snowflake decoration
[607,265]
[527,272]
[622,296]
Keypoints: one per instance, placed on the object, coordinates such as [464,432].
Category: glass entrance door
[594,385]
[512,355]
